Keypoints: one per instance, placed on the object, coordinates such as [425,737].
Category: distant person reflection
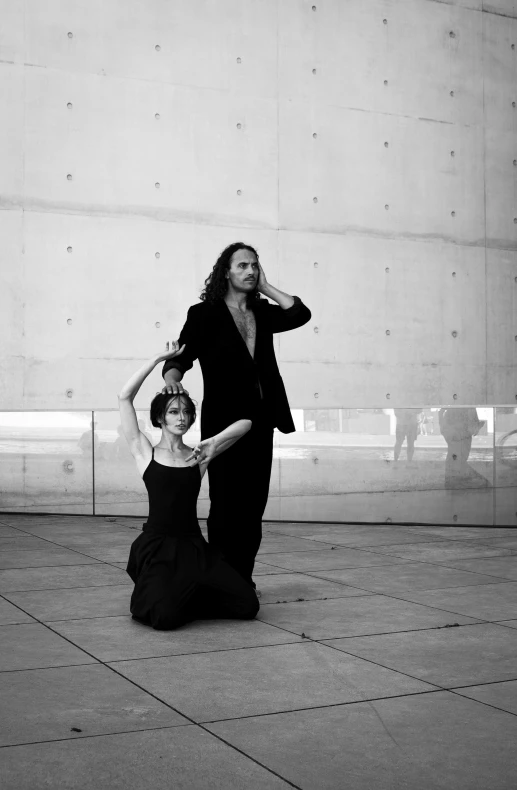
[406,428]
[458,426]
[90,440]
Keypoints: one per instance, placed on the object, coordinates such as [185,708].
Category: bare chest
[246,324]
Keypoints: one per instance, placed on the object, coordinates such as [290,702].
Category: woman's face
[178,416]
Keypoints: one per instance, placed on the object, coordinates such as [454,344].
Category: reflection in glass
[506,466]
[382,465]
[46,462]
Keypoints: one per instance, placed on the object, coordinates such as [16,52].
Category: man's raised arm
[174,369]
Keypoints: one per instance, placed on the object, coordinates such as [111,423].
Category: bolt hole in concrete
[239,60]
[455,397]
[388,396]
[314,71]
[69,393]
[70,35]
[156,254]
[453,213]
[385,82]
[387,269]
[454,334]
[239,191]
[451,93]
[69,321]
[316,264]
[314,199]
[69,105]
[387,208]
[316,394]
[69,177]
[314,135]
[157,325]
[157,185]
[157,116]
[239,126]
[454,274]
[386,145]
[157,47]
[69,249]
[452,153]
[316,329]
[388,332]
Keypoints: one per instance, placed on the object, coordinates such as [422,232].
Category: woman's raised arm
[135,438]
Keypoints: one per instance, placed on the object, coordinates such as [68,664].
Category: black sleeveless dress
[178,576]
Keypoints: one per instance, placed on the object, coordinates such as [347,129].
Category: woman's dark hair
[160,404]
[216,283]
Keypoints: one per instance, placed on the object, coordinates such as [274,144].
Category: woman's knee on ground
[164,617]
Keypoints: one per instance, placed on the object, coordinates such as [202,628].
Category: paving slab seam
[436,690]
[97,735]
[55,589]
[438,564]
[39,669]
[503,622]
[196,724]
[483,702]
[70,565]
[437,686]
[400,597]
[497,580]
[377,551]
[299,641]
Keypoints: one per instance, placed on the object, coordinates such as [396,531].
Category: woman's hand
[172,349]
[203,451]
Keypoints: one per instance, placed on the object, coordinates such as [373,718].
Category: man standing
[231,333]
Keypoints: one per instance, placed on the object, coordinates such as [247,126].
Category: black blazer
[230,374]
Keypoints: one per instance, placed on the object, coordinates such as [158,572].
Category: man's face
[243,273]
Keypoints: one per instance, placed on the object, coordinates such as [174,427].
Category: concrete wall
[367,148]
[397,116]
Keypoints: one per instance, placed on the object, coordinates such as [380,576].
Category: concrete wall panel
[409,188]
[501,188]
[500,72]
[354,53]
[354,302]
[502,7]
[116,151]
[11,31]
[11,305]
[199,42]
[502,326]
[11,133]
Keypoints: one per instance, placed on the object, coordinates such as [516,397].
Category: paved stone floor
[383,657]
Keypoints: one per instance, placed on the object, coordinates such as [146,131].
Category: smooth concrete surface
[389,676]
[134,129]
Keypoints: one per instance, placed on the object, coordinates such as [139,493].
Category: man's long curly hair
[216,284]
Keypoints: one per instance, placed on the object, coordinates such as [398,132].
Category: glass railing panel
[382,465]
[506,466]
[46,462]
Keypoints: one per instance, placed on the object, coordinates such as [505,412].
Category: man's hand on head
[174,389]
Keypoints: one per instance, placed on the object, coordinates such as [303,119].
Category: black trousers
[239,488]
